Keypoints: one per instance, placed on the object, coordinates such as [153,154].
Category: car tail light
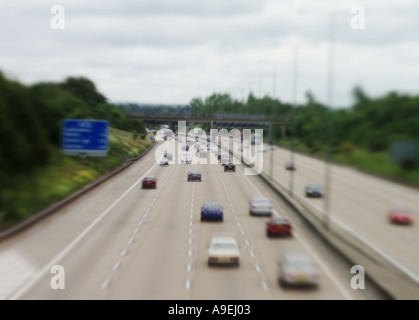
[219,211]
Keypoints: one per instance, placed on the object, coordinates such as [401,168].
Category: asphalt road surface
[119,241]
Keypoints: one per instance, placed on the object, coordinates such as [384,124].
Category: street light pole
[328,168]
[294,86]
[271,126]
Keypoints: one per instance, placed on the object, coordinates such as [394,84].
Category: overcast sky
[167,51]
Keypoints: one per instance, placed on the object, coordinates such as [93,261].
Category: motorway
[119,241]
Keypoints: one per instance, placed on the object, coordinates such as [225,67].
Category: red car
[149,182]
[400,215]
[290,166]
[278,226]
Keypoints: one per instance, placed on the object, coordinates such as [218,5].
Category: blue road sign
[85,137]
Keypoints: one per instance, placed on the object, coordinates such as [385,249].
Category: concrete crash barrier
[54,207]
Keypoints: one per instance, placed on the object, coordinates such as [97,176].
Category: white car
[186,157]
[298,269]
[260,206]
[225,158]
[224,250]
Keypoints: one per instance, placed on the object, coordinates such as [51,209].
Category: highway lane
[38,245]
[358,201]
[121,242]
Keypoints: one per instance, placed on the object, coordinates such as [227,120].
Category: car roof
[297,257]
[260,199]
[312,184]
[280,219]
[148,178]
[211,204]
[223,239]
[194,171]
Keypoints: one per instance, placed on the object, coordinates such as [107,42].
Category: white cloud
[172,51]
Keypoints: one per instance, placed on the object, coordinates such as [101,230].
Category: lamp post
[271,126]
[294,90]
[329,129]
[329,132]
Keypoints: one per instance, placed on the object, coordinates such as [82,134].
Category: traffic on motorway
[185,230]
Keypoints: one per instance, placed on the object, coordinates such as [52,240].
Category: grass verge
[29,193]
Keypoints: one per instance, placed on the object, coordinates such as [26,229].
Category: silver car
[298,269]
[260,206]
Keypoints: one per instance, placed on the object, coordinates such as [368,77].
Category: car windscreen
[261,202]
[212,206]
[224,245]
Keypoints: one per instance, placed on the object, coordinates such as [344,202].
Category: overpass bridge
[240,121]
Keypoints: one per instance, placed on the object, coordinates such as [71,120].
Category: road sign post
[85,138]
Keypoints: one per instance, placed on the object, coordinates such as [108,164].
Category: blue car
[194,175]
[212,211]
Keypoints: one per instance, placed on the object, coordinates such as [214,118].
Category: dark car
[230,167]
[278,226]
[149,182]
[314,190]
[212,211]
[194,175]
